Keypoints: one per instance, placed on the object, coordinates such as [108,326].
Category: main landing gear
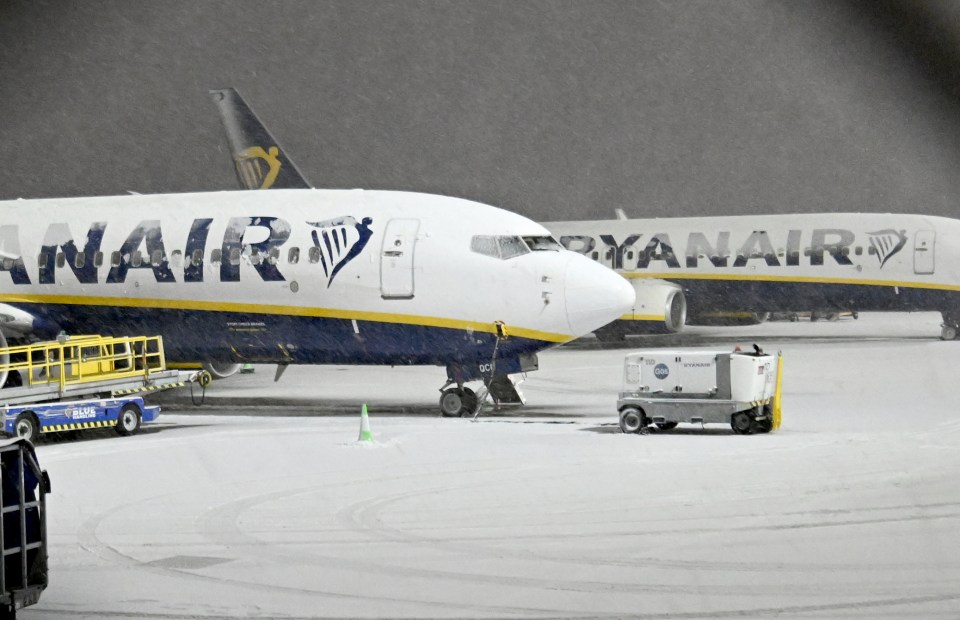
[950,328]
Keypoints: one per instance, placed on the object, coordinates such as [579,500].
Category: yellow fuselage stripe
[326,313]
[796,279]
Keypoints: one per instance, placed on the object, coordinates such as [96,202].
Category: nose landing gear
[457,402]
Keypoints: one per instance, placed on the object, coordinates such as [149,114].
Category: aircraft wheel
[454,401]
[631,420]
[27,426]
[666,426]
[129,421]
[948,332]
[469,398]
[741,423]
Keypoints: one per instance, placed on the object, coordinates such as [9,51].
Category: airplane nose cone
[595,295]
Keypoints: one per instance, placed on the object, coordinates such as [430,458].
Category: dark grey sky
[553,109]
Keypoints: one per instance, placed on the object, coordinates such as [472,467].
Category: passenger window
[42,260]
[235,256]
[98,259]
[858,251]
[216,255]
[314,254]
[176,259]
[595,255]
[61,259]
[197,259]
[293,256]
[255,257]
[115,259]
[137,259]
[80,260]
[8,263]
[273,256]
[157,257]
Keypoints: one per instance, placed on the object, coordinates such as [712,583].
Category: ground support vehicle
[667,388]
[23,527]
[75,367]
[82,382]
[124,413]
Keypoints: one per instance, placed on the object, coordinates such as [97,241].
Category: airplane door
[396,259]
[923,244]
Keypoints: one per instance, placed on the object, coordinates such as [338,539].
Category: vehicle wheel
[666,426]
[631,420]
[741,423]
[948,332]
[27,426]
[128,423]
[762,426]
[452,402]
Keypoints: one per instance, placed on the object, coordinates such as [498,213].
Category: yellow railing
[84,359]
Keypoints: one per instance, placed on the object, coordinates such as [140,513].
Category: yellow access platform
[85,365]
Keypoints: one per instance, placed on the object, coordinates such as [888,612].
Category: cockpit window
[538,244]
[485,245]
[511,246]
[502,247]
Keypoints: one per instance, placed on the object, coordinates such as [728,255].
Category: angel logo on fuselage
[887,243]
[339,241]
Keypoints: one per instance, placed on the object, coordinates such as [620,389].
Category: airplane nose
[595,295]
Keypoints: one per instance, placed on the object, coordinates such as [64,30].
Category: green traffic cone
[365,434]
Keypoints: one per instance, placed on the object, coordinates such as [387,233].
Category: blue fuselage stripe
[199,335]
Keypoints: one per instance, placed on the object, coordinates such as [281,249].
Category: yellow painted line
[796,279]
[326,313]
[643,317]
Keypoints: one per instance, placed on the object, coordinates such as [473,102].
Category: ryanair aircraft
[305,277]
[699,270]
[709,270]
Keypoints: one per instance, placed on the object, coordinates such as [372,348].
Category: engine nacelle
[661,308]
[221,370]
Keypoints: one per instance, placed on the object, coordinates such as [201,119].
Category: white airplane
[305,277]
[703,267]
[727,270]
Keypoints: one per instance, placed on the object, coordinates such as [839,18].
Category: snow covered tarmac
[851,510]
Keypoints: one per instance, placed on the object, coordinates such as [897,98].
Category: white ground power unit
[668,387]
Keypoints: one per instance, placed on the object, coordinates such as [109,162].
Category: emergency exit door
[923,251]
[396,259]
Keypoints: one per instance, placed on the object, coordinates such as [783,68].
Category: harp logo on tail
[338,241]
[250,166]
[886,243]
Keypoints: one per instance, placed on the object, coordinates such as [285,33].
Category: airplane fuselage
[298,276]
[784,262]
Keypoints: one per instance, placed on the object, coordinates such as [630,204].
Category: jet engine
[661,308]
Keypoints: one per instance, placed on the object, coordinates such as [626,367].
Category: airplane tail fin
[259,161]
